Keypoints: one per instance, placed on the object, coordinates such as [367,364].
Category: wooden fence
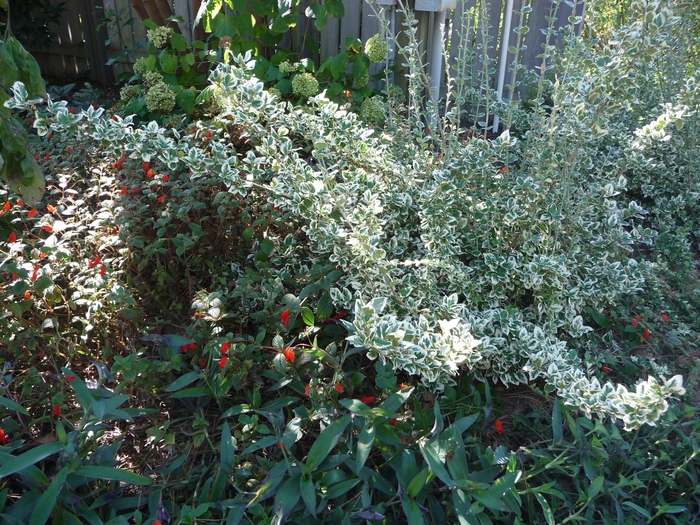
[80,47]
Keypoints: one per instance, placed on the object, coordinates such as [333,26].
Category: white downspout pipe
[436,53]
[502,66]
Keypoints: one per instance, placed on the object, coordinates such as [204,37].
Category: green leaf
[595,487]
[47,502]
[319,13]
[548,514]
[364,445]
[287,497]
[183,381]
[307,316]
[168,62]
[13,406]
[418,482]
[29,458]
[113,474]
[178,41]
[412,511]
[228,456]
[433,460]
[396,400]
[308,493]
[265,442]
[191,392]
[556,423]
[326,441]
[341,488]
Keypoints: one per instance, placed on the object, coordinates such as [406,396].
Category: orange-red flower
[56,411]
[606,369]
[161,198]
[307,390]
[338,388]
[647,333]
[146,166]
[289,355]
[3,437]
[70,379]
[7,206]
[124,191]
[222,362]
[665,318]
[166,178]
[27,294]
[499,427]
[393,421]
[12,237]
[47,228]
[367,400]
[35,273]
[51,208]
[284,317]
[20,202]
[149,174]
[32,213]
[224,348]
[103,270]
[633,322]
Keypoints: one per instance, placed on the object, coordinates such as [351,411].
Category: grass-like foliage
[282,314]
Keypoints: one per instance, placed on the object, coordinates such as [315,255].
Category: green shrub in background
[279,281]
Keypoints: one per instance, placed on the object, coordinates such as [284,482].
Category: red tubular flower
[193,346]
[149,174]
[47,228]
[103,270]
[51,208]
[161,198]
[289,355]
[147,166]
[70,379]
[27,295]
[284,317]
[35,273]
[222,362]
[503,170]
[606,369]
[56,411]
[3,437]
[7,206]
[20,202]
[367,400]
[72,111]
[184,348]
[665,318]
[633,322]
[307,390]
[69,149]
[647,333]
[166,178]
[224,348]
[338,388]
[12,237]
[36,157]
[499,427]
[124,191]
[47,156]
[32,213]
[393,421]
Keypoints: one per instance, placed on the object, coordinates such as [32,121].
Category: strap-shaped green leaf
[113,474]
[47,502]
[29,458]
[326,441]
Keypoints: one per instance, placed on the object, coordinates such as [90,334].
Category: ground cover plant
[279,312]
